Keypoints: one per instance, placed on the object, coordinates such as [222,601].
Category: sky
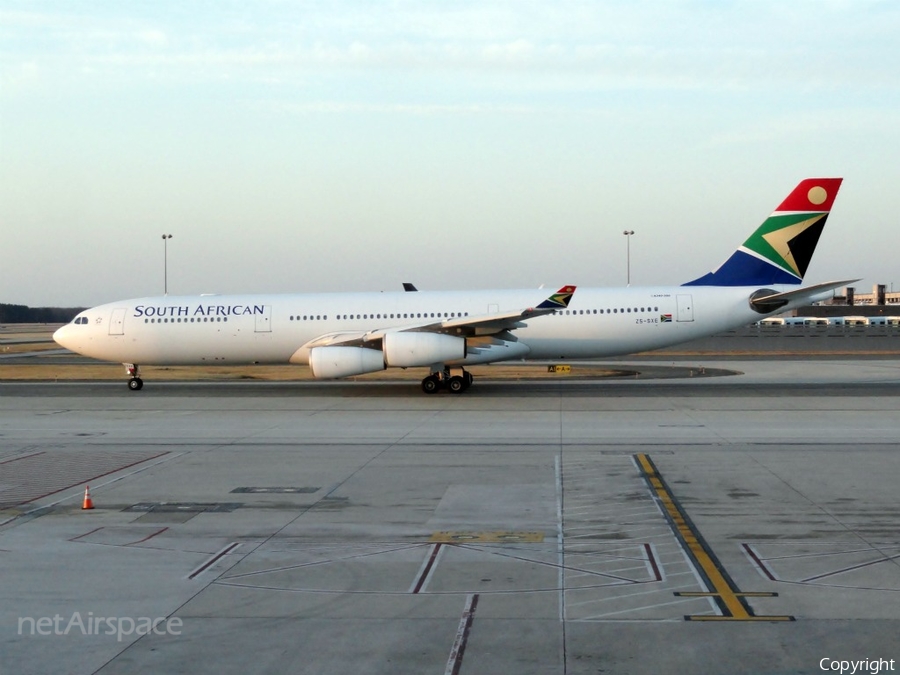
[338,146]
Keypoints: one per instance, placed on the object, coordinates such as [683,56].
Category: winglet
[780,249]
[559,300]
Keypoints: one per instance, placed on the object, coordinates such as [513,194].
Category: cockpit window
[81,320]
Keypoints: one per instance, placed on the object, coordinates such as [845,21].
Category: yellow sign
[559,369]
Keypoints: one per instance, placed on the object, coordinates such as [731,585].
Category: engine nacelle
[405,350]
[332,362]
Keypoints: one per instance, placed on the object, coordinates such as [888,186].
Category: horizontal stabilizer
[766,302]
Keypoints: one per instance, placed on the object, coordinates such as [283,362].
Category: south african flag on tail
[780,250]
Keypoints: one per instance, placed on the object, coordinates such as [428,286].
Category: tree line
[25,314]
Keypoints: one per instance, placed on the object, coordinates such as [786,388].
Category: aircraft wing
[490,324]
[463,326]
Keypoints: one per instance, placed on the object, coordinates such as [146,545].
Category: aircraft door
[685,308]
[117,321]
[264,320]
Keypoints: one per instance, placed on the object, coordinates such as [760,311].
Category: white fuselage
[241,329]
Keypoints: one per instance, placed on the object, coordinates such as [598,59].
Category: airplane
[345,334]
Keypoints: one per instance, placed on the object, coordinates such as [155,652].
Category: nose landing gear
[135,383]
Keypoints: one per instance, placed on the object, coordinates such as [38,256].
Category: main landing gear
[135,383]
[455,380]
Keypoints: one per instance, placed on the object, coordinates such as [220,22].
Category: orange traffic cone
[88,502]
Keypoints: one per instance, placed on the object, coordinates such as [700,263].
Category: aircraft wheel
[135,384]
[430,384]
[456,384]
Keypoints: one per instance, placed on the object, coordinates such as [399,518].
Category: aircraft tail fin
[780,250]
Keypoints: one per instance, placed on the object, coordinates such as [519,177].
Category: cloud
[398,108]
[610,44]
[19,76]
[152,37]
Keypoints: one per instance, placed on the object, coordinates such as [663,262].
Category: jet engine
[332,362]
[411,349]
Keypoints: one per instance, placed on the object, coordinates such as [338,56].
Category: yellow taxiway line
[729,599]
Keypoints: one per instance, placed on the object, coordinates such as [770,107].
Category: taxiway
[744,523]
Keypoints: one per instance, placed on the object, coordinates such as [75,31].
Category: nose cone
[63,337]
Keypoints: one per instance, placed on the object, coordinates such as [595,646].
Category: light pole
[628,234]
[166,238]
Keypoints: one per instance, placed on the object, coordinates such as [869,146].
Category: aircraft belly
[241,348]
